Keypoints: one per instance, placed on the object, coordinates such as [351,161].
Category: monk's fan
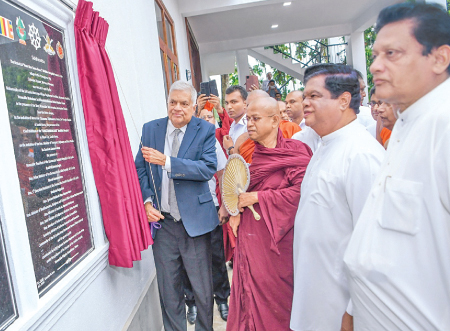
[236,179]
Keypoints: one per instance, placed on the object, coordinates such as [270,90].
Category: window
[166,33]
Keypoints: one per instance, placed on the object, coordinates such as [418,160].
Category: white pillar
[356,55]
[334,50]
[242,66]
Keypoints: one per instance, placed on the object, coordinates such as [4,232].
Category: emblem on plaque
[48,46]
[6,28]
[21,30]
[59,50]
[34,36]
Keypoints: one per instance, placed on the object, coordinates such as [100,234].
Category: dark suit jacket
[194,166]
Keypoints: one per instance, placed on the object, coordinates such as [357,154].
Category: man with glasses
[261,295]
[397,258]
[334,190]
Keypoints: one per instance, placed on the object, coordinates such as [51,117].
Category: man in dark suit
[180,149]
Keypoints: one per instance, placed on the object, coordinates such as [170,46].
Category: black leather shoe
[192,314]
[223,309]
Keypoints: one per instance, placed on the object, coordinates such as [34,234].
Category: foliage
[369,39]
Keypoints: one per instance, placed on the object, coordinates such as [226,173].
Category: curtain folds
[124,217]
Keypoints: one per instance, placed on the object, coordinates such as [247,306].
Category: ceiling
[228,25]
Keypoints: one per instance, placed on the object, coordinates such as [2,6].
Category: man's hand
[215,101]
[247,199]
[253,87]
[223,215]
[347,322]
[153,156]
[201,100]
[234,223]
[227,142]
[153,215]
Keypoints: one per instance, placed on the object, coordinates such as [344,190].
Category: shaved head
[263,120]
[256,94]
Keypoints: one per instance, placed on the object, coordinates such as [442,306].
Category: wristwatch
[229,150]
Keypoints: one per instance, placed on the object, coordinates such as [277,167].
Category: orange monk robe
[385,134]
[248,147]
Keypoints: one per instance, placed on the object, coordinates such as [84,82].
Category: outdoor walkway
[219,323]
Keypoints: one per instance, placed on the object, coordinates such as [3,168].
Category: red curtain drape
[124,217]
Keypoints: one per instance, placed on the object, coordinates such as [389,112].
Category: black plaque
[38,96]
[8,311]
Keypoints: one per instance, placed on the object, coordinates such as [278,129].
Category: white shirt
[302,124]
[365,116]
[398,257]
[334,190]
[372,128]
[309,137]
[221,162]
[170,133]
[236,129]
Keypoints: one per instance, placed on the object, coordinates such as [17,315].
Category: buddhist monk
[262,289]
[245,146]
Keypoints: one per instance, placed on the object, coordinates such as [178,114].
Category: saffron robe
[385,135]
[248,147]
[262,288]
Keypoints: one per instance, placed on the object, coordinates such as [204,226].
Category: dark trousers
[221,284]
[176,254]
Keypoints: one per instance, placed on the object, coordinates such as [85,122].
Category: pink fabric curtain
[124,217]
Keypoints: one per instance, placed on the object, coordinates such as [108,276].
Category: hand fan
[235,181]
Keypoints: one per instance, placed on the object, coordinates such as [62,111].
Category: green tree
[369,39]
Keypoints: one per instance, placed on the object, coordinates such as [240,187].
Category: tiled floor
[219,323]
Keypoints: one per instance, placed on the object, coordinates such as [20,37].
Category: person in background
[278,96]
[223,129]
[284,115]
[272,89]
[397,265]
[266,81]
[236,106]
[374,104]
[388,119]
[294,108]
[364,115]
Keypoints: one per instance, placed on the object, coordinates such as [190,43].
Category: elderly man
[261,295]
[294,108]
[180,149]
[397,259]
[246,146]
[335,188]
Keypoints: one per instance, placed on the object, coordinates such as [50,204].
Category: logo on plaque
[34,36]
[48,46]
[59,50]
[6,28]
[21,31]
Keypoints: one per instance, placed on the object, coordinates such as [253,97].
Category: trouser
[176,255]
[221,284]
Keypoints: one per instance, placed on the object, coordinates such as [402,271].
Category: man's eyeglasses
[207,117]
[373,103]
[254,119]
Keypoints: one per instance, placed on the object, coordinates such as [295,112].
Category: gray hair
[180,85]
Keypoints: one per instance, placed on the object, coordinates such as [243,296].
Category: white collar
[171,128]
[339,132]
[241,121]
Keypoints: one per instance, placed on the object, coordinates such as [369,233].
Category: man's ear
[441,59]
[344,100]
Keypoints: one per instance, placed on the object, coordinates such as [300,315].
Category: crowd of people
[354,201]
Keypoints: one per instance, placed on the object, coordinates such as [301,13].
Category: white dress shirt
[236,129]
[398,257]
[309,137]
[170,133]
[335,187]
[221,162]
